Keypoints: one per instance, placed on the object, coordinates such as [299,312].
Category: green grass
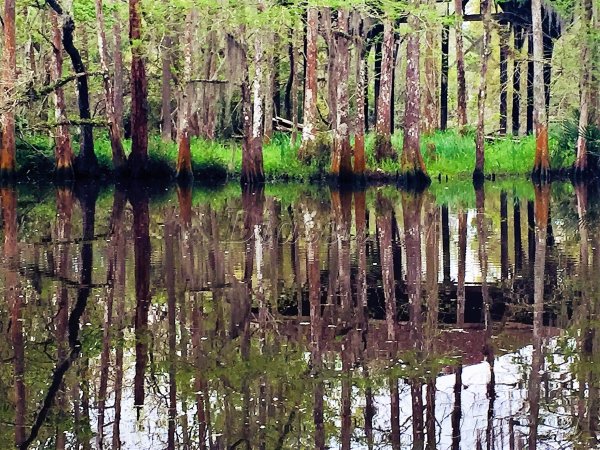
[445,153]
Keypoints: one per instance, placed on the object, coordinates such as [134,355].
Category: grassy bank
[445,153]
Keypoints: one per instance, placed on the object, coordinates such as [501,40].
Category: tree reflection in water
[299,317]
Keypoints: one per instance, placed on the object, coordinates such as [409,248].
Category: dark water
[300,317]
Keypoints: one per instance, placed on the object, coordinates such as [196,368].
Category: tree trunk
[581,162]
[412,166]
[332,76]
[252,166]
[184,155]
[207,125]
[309,129]
[359,131]
[383,126]
[138,158]
[516,100]
[118,70]
[461,109]
[9,74]
[63,151]
[268,95]
[530,95]
[341,162]
[86,163]
[430,97]
[114,127]
[541,167]
[478,173]
[504,36]
[258,96]
[444,78]
[165,56]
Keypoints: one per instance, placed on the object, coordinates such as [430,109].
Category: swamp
[298,316]
[300,224]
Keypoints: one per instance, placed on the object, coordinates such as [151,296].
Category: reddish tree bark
[341,160]
[309,129]
[411,164]
[9,75]
[63,152]
[383,126]
[541,166]
[114,125]
[139,95]
[478,173]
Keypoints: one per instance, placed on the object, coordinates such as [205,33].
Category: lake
[297,316]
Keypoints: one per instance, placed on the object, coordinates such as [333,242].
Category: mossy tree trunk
[166,77]
[461,105]
[504,33]
[9,74]
[359,126]
[86,163]
[258,95]
[184,157]
[383,125]
[118,69]
[341,160]
[581,162]
[252,162]
[310,85]
[114,126]
[138,159]
[63,151]
[518,41]
[411,164]
[541,167]
[430,93]
[478,173]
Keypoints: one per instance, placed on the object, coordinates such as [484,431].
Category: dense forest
[340,90]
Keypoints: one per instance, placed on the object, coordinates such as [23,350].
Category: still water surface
[300,317]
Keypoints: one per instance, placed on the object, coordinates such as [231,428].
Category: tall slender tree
[114,126]
[541,166]
[461,104]
[585,81]
[383,126]
[412,165]
[138,158]
[184,156]
[309,129]
[361,82]
[62,150]
[9,75]
[341,159]
[486,11]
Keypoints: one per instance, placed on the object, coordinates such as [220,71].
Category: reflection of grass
[445,153]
